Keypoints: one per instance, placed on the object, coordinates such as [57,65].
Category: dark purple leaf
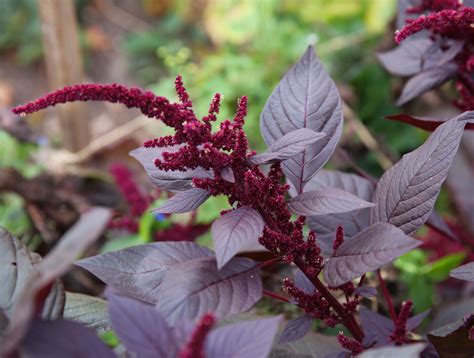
[453,340]
[326,201]
[287,146]
[87,229]
[184,201]
[236,231]
[243,339]
[407,58]
[88,310]
[53,306]
[193,288]
[464,272]
[141,328]
[167,180]
[311,345]
[264,158]
[138,271]
[406,193]
[366,291]
[16,268]
[425,81]
[228,174]
[415,321]
[306,97]
[303,282]
[296,329]
[377,328]
[352,222]
[459,183]
[428,124]
[50,339]
[369,250]
[419,54]
[437,223]
[406,351]
[3,321]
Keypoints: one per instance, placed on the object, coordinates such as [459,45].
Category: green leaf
[211,209]
[421,292]
[412,262]
[110,338]
[439,270]
[121,243]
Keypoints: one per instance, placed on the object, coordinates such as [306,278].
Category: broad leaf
[141,328]
[369,250]
[415,321]
[464,272]
[287,146]
[353,222]
[303,282]
[437,223]
[428,124]
[62,339]
[87,229]
[138,271]
[311,345]
[193,288]
[167,180]
[425,81]
[88,310]
[306,97]
[228,174]
[16,267]
[184,201]
[406,351]
[243,339]
[418,54]
[236,231]
[453,339]
[366,291]
[406,193]
[326,201]
[377,328]
[296,329]
[53,306]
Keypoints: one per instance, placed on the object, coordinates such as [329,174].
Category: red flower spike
[339,238]
[195,347]
[350,344]
[399,334]
[451,23]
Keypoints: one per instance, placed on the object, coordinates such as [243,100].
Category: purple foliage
[177,290]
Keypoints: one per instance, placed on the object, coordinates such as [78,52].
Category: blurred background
[55,163]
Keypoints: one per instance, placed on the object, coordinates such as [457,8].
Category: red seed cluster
[455,24]
[195,347]
[399,334]
[227,148]
[350,344]
[137,202]
[313,304]
[448,19]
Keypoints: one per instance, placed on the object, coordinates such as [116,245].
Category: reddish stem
[387,296]
[347,319]
[276,296]
[269,262]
